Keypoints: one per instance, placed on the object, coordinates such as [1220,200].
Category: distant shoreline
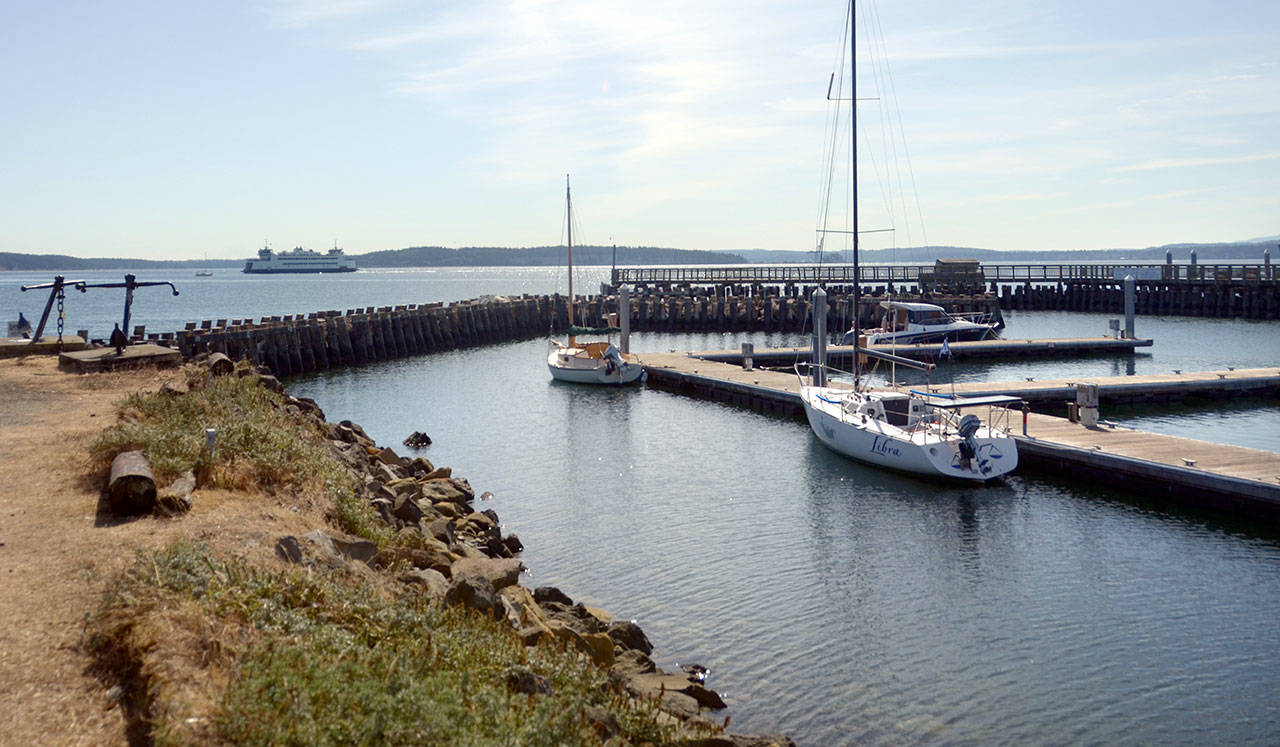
[604,256]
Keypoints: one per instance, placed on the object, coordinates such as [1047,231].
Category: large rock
[628,635]
[551,594]
[500,572]
[658,683]
[407,510]
[473,591]
[342,545]
[438,560]
[452,490]
[600,648]
[432,581]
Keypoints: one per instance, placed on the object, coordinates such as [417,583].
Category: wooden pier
[1047,348]
[1164,468]
[1247,291]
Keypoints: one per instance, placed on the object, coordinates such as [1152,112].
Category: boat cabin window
[896,411]
[895,320]
[929,316]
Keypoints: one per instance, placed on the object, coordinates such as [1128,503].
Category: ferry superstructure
[299,260]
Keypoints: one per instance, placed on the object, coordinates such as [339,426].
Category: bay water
[832,602]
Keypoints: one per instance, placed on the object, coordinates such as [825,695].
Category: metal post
[1130,296]
[1266,262]
[820,337]
[1168,256]
[624,316]
[1193,256]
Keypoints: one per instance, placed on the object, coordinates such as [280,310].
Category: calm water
[833,602]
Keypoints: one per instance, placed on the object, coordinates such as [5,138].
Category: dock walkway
[1058,346]
[1181,470]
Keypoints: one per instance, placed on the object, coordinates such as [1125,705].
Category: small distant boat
[299,260]
[909,323]
[591,362]
[204,274]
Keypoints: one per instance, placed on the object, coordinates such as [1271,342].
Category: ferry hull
[295,271]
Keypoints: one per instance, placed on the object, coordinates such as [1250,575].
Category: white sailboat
[907,430]
[598,362]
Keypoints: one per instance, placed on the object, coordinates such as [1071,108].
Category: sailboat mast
[568,205]
[853,175]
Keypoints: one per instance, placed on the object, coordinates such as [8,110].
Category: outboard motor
[612,359]
[969,426]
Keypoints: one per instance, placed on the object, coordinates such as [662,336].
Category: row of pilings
[319,341]
[1223,300]
[324,340]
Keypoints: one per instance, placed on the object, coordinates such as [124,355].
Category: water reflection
[842,603]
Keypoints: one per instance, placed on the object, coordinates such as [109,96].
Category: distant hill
[485,256]
[1237,250]
[480,256]
[64,263]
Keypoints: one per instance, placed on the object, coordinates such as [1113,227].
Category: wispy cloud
[1186,163]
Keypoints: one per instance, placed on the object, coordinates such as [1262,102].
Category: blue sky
[172,130]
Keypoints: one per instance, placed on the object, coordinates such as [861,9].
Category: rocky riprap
[461,557]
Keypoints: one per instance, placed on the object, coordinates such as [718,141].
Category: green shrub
[334,661]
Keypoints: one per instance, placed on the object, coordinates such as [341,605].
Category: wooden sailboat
[598,362]
[904,430]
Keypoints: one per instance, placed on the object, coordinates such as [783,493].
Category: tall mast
[568,205]
[853,175]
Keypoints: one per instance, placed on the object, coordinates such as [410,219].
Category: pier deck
[14,346]
[1161,467]
[1064,346]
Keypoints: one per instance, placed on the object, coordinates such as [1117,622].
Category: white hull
[573,365]
[924,449]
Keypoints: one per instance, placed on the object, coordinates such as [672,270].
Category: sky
[166,130]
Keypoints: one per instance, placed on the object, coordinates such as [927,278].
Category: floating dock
[1060,346]
[1167,468]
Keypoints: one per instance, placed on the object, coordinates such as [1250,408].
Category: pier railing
[992,273]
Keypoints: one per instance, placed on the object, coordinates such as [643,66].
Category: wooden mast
[568,203]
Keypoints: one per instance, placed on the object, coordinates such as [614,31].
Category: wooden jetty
[1046,348]
[1179,470]
[1239,290]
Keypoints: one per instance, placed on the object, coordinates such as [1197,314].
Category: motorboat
[906,322]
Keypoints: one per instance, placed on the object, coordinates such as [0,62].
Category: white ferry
[300,260]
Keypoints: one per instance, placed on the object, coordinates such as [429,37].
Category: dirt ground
[57,553]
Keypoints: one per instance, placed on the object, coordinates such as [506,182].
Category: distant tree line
[491,256]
